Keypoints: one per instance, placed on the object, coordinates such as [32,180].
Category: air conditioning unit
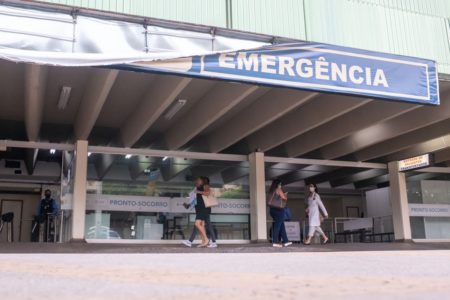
[12,164]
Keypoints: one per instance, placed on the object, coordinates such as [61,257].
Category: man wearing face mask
[48,205]
[48,208]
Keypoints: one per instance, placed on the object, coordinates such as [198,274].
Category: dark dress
[201,211]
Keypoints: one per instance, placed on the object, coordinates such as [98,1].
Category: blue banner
[319,67]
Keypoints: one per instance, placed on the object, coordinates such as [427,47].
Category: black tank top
[200,202]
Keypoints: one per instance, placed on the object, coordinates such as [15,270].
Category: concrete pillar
[399,203]
[258,219]
[79,191]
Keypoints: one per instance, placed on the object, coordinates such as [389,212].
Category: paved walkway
[178,248]
[401,274]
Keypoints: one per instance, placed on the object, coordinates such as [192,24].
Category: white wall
[378,204]
[30,206]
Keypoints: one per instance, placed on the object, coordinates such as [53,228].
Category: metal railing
[51,230]
[380,228]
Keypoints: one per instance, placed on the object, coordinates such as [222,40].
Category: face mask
[312,189]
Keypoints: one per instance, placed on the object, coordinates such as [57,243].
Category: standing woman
[201,211]
[277,213]
[314,203]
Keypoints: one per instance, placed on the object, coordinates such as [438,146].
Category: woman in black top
[202,212]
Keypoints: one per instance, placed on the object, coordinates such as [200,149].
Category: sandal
[203,245]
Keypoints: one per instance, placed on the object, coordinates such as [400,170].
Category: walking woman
[276,198]
[314,204]
[208,225]
[201,211]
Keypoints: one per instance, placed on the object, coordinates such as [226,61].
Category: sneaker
[212,245]
[287,244]
[277,245]
[187,243]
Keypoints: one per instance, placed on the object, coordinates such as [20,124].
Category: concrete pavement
[401,274]
[235,248]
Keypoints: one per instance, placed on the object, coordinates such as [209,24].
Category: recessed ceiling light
[128,156]
[64,97]
[52,151]
[175,108]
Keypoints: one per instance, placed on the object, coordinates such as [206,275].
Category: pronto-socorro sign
[317,67]
[429,210]
[160,204]
[414,163]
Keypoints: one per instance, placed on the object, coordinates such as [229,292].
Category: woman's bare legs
[200,224]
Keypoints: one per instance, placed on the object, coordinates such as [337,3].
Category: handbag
[276,201]
[211,200]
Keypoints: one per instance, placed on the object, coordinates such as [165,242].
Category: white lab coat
[314,203]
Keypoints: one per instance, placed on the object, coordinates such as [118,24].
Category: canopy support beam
[35,87]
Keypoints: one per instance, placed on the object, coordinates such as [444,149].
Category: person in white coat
[314,204]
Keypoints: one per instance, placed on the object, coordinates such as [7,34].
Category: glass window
[67,181]
[429,198]
[144,198]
